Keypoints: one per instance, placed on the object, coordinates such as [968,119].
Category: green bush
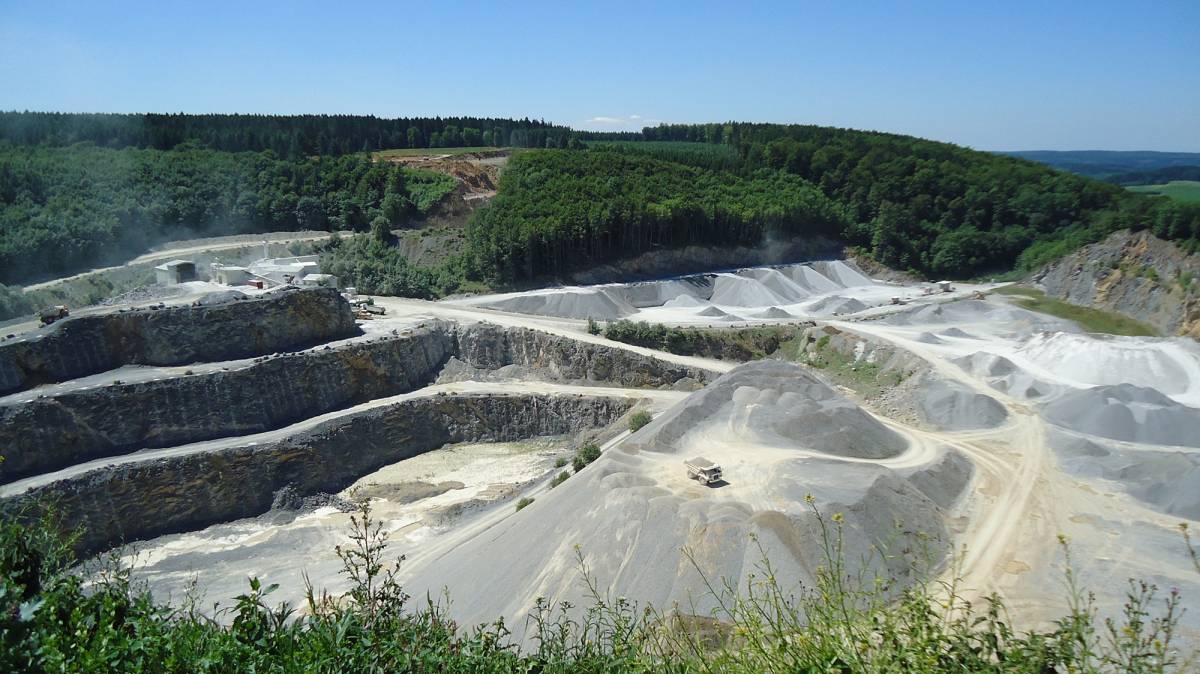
[559,479]
[525,500]
[638,420]
[51,620]
[588,453]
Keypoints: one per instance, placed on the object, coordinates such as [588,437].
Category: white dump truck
[703,470]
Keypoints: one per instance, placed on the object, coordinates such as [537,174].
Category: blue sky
[991,75]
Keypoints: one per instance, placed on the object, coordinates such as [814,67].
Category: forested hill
[289,136]
[68,208]
[1105,164]
[932,207]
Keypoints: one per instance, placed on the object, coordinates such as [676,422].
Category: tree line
[931,207]
[290,136]
[67,208]
[559,211]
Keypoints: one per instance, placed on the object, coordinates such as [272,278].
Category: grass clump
[1092,320]
[523,502]
[638,420]
[740,344]
[559,479]
[588,453]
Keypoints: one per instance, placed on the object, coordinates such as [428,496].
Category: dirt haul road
[1022,503]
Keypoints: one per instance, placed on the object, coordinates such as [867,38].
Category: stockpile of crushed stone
[659,293]
[1170,367]
[631,512]
[775,281]
[774,312]
[836,305]
[600,304]
[842,274]
[951,406]
[742,291]
[810,279]
[1167,480]
[1126,412]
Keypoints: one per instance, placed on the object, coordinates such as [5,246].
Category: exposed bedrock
[175,335]
[1133,273]
[56,431]
[143,499]
[491,347]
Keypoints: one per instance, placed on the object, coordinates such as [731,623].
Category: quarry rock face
[142,499]
[55,431]
[491,347]
[51,432]
[1135,274]
[174,335]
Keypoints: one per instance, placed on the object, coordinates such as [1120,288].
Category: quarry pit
[945,420]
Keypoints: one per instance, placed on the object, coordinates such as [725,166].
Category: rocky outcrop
[556,358]
[142,499]
[1135,274]
[62,429]
[174,335]
[56,431]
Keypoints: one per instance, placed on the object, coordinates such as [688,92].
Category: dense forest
[932,207]
[289,136]
[558,211]
[82,190]
[62,209]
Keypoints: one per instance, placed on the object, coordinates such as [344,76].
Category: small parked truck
[51,314]
[702,470]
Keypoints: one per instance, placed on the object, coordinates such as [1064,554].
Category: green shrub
[51,619]
[588,453]
[525,500]
[559,479]
[638,420]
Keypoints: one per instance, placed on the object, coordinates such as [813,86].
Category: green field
[430,151]
[1092,320]
[1180,190]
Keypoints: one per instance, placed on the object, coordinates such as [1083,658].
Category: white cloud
[626,123]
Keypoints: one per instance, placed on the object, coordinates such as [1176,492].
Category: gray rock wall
[50,433]
[56,431]
[141,500]
[557,358]
[1135,274]
[174,335]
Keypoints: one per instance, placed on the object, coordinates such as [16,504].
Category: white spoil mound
[774,312]
[1004,375]
[952,407]
[1128,413]
[711,311]
[842,274]
[978,312]
[778,283]
[1170,367]
[836,305]
[1167,480]
[742,291]
[659,293]
[778,434]
[684,302]
[598,303]
[810,279]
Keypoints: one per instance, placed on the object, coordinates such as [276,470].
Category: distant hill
[1104,164]
[1156,176]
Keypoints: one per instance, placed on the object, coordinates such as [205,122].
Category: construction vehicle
[702,470]
[54,313]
